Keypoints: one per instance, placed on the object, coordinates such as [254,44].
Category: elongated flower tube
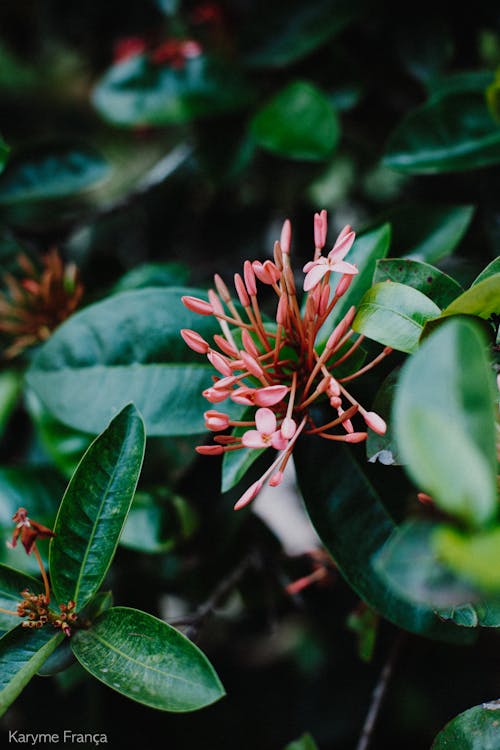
[281,364]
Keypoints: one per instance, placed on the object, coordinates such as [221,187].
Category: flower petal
[270,395]
[341,266]
[265,421]
[253,439]
[341,247]
[278,441]
[315,275]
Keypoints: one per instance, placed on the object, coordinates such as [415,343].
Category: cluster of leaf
[149,174]
[129,650]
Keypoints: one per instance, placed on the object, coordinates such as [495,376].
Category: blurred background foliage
[155,143]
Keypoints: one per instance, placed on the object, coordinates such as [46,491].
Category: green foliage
[445,425]
[122,350]
[394,315]
[475,729]
[94,508]
[305,742]
[299,123]
[432,282]
[147,660]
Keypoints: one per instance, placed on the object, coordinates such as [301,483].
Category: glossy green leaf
[12,582]
[477,728]
[394,315]
[299,122]
[64,445]
[368,248]
[158,522]
[482,299]
[147,660]
[453,133]
[4,153]
[491,269]
[152,274]
[136,91]
[59,660]
[22,653]
[126,349]
[363,621]
[94,509]
[471,81]
[484,612]
[476,557]
[432,282]
[305,742]
[409,564]
[383,448]
[308,26]
[428,232]
[445,421]
[10,388]
[353,525]
[51,173]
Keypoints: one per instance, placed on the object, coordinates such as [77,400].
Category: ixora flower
[283,367]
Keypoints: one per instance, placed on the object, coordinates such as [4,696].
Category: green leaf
[58,661]
[4,153]
[476,557]
[363,622]
[64,445]
[409,564]
[299,122]
[368,248]
[126,349]
[235,464]
[485,613]
[137,91]
[477,728]
[147,660]
[353,525]
[94,509]
[449,134]
[394,315]
[432,282]
[152,274]
[22,653]
[445,422]
[383,448]
[10,388]
[12,582]
[305,742]
[50,173]
[308,26]
[482,299]
[491,269]
[158,522]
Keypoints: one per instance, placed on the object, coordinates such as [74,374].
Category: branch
[197,619]
[378,694]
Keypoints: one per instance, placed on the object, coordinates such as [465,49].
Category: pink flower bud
[225,346]
[320,229]
[250,494]
[344,284]
[249,344]
[219,362]
[244,396]
[195,342]
[288,428]
[216,395]
[222,288]
[270,395]
[215,302]
[249,277]
[197,305]
[209,450]
[286,237]
[278,255]
[251,364]
[282,310]
[241,290]
[355,437]
[333,388]
[375,422]
[324,300]
[216,420]
[276,479]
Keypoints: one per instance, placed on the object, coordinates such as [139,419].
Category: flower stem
[44,574]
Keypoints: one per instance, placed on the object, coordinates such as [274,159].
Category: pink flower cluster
[279,367]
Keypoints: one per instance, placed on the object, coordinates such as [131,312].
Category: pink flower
[315,270]
[279,371]
[266,434]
